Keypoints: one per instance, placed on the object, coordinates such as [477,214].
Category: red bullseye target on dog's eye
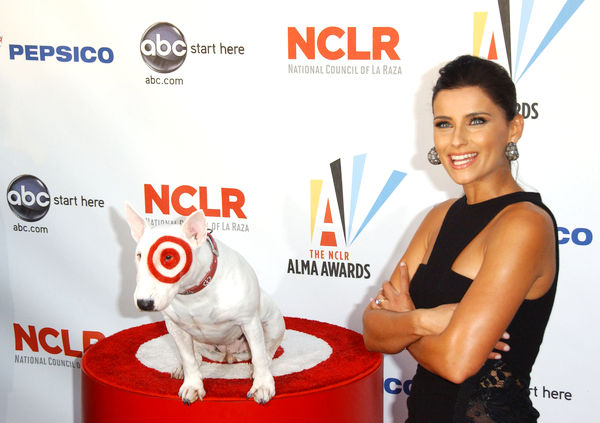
[169,258]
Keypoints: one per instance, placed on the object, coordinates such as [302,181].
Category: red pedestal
[345,387]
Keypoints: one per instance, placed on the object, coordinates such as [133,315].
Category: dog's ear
[194,228]
[137,224]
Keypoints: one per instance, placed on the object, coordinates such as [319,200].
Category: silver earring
[433,157]
[511,152]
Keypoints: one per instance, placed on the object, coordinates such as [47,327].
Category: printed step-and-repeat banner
[301,129]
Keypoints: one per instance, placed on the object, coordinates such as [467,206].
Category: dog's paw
[177,373]
[263,389]
[191,392]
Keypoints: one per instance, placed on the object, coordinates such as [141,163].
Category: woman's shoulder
[523,220]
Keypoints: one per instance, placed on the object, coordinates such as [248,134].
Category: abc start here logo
[28,198]
[163,47]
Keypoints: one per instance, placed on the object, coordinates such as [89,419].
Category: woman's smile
[461,161]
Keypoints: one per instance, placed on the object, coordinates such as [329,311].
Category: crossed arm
[454,340]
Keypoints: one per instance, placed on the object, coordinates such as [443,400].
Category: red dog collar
[211,272]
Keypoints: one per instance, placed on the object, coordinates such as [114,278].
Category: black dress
[499,392]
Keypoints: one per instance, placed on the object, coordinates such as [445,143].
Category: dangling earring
[511,152]
[433,157]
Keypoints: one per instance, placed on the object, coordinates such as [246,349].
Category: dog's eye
[138,256]
[168,258]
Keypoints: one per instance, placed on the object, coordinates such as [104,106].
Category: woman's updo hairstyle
[471,71]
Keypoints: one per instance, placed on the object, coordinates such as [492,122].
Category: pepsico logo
[169,258]
[163,47]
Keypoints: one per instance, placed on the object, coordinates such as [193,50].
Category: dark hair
[471,71]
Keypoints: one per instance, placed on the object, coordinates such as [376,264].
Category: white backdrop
[254,126]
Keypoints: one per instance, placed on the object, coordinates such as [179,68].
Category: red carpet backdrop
[301,130]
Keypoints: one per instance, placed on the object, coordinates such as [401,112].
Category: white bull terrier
[210,299]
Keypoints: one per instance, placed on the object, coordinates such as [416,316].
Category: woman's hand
[500,346]
[394,295]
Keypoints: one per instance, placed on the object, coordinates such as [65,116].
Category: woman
[478,268]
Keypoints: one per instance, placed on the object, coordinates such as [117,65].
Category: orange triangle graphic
[328,218]
[328,239]
[493,54]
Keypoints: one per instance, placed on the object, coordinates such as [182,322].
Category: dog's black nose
[146,305]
